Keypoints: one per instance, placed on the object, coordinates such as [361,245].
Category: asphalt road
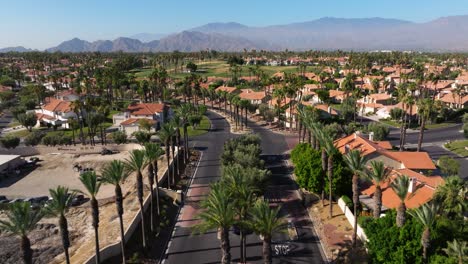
[185,247]
[433,142]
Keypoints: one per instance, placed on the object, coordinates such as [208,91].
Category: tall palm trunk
[300,131]
[401,215]
[63,224]
[425,240]
[155,167]
[330,177]
[266,250]
[377,201]
[324,168]
[421,133]
[355,203]
[225,246]
[26,250]
[402,128]
[120,211]
[142,209]
[168,153]
[151,183]
[173,163]
[186,144]
[95,212]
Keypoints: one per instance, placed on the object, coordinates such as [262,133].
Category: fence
[350,216]
[115,249]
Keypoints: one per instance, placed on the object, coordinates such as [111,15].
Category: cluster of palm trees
[452,195]
[236,200]
[22,219]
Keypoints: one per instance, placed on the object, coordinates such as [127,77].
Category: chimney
[412,185]
[347,148]
[438,96]
[329,110]
[371,136]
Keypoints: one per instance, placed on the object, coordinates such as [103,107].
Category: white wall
[350,216]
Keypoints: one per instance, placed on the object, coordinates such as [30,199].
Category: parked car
[36,202]
[108,152]
[17,200]
[78,200]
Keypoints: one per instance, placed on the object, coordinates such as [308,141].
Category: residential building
[55,112]
[129,121]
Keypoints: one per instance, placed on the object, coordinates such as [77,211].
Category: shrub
[308,170]
[142,137]
[119,137]
[10,142]
[449,166]
[347,201]
[381,131]
[33,138]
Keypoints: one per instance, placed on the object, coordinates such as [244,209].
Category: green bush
[381,131]
[347,201]
[33,138]
[142,137]
[119,137]
[308,170]
[10,142]
[390,244]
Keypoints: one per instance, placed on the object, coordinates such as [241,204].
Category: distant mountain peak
[327,33]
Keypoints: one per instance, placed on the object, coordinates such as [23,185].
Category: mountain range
[359,34]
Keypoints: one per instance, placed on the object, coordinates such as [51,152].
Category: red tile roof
[410,160]
[413,200]
[56,105]
[132,121]
[145,109]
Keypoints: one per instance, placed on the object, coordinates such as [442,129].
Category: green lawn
[218,68]
[201,129]
[414,125]
[13,124]
[458,147]
[390,122]
[68,132]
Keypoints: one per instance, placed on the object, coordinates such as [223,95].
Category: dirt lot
[45,240]
[57,169]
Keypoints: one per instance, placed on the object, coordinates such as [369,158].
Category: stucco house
[129,121]
[55,112]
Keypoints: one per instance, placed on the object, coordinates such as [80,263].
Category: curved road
[187,248]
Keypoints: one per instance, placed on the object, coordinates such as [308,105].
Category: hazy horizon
[44,24]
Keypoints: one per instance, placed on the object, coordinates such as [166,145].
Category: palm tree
[92,185]
[136,163]
[240,184]
[219,214]
[265,222]
[61,201]
[356,163]
[424,108]
[165,134]
[184,112]
[77,108]
[452,195]
[426,215]
[178,123]
[401,188]
[378,174]
[20,220]
[327,144]
[457,250]
[153,152]
[115,173]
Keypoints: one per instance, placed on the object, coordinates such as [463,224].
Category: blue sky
[45,23]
